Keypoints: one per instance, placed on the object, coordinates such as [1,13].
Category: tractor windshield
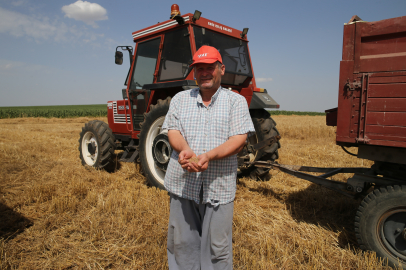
[233,51]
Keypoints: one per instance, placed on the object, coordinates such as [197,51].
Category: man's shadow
[323,207]
[12,223]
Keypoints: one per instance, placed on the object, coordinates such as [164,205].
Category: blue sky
[62,52]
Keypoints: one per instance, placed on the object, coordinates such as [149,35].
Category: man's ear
[223,69]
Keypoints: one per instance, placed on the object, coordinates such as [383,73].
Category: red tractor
[160,69]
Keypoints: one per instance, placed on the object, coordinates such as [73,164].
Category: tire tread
[265,128]
[368,208]
[158,109]
[105,140]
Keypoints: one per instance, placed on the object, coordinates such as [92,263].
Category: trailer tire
[265,127]
[150,129]
[380,224]
[96,144]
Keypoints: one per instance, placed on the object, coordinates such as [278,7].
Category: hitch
[131,153]
[264,143]
[298,171]
[247,158]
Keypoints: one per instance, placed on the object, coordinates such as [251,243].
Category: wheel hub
[91,147]
[161,151]
[394,231]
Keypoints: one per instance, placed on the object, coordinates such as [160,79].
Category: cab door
[144,72]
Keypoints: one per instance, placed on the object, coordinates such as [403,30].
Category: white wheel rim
[155,129]
[89,158]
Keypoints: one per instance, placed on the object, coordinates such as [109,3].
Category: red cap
[207,55]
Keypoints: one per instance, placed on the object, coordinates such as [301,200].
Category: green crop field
[65,111]
[278,112]
[98,110]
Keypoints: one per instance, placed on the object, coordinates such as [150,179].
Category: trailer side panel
[372,90]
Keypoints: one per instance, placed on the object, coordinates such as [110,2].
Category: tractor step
[130,153]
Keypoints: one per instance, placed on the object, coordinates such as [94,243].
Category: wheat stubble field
[57,214]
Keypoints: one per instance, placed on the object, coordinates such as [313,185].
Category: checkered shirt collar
[199,97]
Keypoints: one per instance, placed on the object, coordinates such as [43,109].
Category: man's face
[208,76]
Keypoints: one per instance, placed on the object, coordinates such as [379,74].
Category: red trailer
[371,115]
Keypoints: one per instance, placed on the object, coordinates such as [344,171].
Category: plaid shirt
[205,128]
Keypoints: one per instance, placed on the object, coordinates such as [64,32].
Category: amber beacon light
[175,10]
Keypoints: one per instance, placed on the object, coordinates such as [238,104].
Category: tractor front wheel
[96,144]
[154,147]
[380,224]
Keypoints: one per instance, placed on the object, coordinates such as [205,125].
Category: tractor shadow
[12,223]
[322,207]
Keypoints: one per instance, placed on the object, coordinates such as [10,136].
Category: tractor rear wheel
[96,144]
[265,127]
[380,224]
[154,148]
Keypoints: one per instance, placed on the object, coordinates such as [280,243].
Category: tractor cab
[163,54]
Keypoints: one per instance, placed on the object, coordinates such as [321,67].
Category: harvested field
[57,214]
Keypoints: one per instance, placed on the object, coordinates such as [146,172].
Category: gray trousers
[199,235]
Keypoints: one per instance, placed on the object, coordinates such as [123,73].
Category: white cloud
[41,28]
[18,25]
[18,3]
[16,67]
[6,66]
[111,43]
[86,12]
[263,79]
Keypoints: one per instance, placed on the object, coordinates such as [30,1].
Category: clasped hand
[186,155]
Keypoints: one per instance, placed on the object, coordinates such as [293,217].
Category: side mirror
[119,58]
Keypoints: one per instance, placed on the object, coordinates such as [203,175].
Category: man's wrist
[210,155]
[187,148]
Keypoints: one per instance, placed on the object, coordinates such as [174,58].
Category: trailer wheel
[154,154]
[265,127]
[380,224]
[96,144]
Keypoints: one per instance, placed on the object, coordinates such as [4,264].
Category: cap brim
[205,61]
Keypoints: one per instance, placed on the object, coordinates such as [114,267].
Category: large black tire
[96,144]
[265,127]
[150,129]
[380,224]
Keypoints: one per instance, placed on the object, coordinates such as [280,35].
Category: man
[207,126]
